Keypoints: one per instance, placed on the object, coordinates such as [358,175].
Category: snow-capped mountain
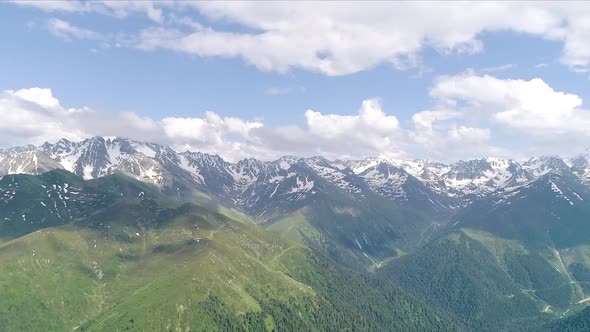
[97,156]
[259,186]
[396,183]
[483,176]
[553,209]
[26,160]
[539,166]
[580,165]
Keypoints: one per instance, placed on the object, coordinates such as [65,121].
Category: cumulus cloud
[530,105]
[342,39]
[211,128]
[550,121]
[347,39]
[424,121]
[35,116]
[471,116]
[370,116]
[41,97]
[469,135]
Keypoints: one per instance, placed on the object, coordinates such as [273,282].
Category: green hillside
[359,234]
[58,197]
[139,265]
[491,283]
[459,275]
[519,255]
[579,322]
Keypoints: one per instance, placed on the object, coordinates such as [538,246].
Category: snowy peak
[255,184]
[336,173]
[97,156]
[93,159]
[580,165]
[210,170]
[386,179]
[286,162]
[483,176]
[469,170]
[539,166]
[550,190]
[26,161]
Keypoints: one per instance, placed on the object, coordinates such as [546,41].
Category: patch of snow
[303,185]
[146,150]
[194,171]
[578,196]
[88,172]
[358,244]
[560,193]
[284,165]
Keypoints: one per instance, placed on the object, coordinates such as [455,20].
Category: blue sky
[96,59]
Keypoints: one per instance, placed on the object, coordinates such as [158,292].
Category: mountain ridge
[161,165]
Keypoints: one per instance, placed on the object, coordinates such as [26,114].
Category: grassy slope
[74,273]
[58,197]
[141,266]
[356,234]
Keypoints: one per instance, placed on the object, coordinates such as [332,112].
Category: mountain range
[291,178]
[482,244]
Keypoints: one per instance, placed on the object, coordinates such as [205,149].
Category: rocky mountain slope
[288,178]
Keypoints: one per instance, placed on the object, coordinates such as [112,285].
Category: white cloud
[471,116]
[347,38]
[276,90]
[123,9]
[67,31]
[211,128]
[526,112]
[370,116]
[494,69]
[340,39]
[469,135]
[33,115]
[41,97]
[423,121]
[120,8]
[531,105]
[55,6]
[576,51]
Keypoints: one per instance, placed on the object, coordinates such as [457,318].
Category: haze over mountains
[476,245]
[445,185]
